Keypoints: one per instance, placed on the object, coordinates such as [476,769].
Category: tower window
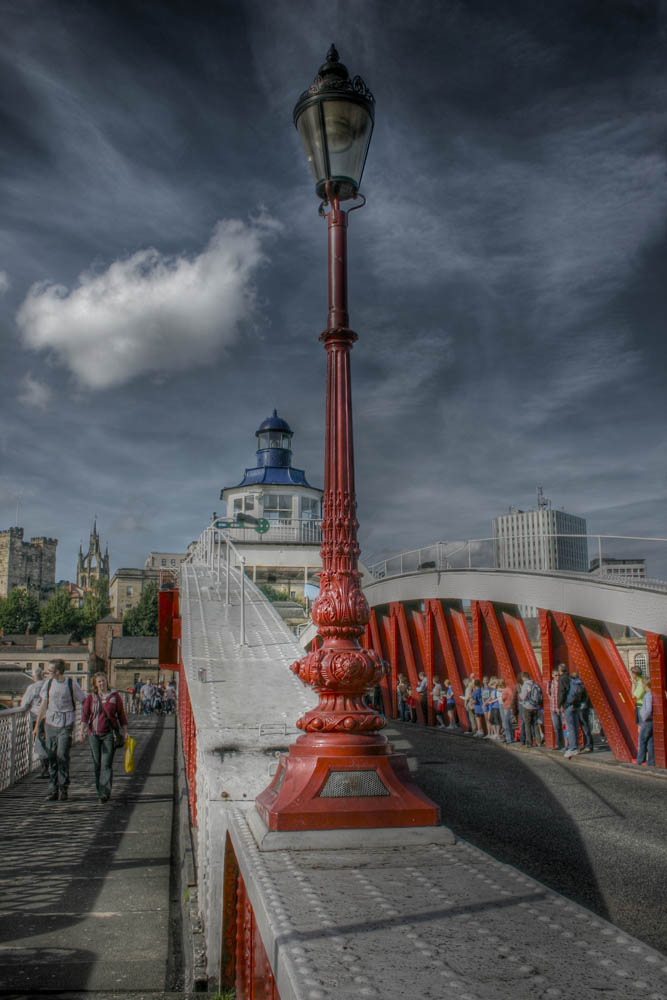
[277,506]
[310,507]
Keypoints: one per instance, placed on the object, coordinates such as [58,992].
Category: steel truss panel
[605,677]
[656,652]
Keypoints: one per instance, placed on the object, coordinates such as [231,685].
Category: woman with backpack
[102,717]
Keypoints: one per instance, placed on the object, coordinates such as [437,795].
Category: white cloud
[150,313]
[4,282]
[34,393]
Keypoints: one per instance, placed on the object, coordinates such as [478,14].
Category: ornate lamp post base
[341,782]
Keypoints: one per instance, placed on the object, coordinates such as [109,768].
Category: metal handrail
[207,552]
[17,759]
[440,556]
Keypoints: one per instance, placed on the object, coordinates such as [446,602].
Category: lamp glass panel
[309,128]
[348,130]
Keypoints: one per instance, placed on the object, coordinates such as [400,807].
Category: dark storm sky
[164,269]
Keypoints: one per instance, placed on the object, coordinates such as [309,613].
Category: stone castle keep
[26,564]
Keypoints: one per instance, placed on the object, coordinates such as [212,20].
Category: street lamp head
[335,118]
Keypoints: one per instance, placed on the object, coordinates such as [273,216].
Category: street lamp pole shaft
[340,610]
[338,311]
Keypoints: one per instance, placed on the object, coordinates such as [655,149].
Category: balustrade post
[600,555]
[227,573]
[242,560]
[12,749]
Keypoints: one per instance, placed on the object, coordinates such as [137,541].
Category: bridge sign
[260,524]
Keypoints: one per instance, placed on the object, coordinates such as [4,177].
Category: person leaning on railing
[32,699]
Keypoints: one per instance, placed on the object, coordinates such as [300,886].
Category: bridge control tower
[287,556]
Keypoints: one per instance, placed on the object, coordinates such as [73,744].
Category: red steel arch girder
[453,648]
[656,652]
[606,680]
[409,649]
[548,665]
[500,643]
[372,639]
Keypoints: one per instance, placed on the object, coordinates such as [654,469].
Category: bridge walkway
[85,887]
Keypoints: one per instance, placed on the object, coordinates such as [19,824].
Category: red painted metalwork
[189,738]
[169,630]
[656,653]
[605,677]
[244,964]
[411,661]
[254,976]
[503,645]
[453,649]
[389,695]
[548,666]
[341,733]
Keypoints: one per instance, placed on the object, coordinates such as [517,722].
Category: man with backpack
[58,709]
[571,692]
[531,700]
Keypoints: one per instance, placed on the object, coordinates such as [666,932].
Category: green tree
[19,610]
[59,616]
[142,619]
[95,605]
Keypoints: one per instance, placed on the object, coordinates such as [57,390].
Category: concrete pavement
[84,887]
[591,829]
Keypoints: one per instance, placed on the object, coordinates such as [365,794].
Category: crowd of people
[515,713]
[147,698]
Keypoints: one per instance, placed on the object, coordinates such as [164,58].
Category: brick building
[31,565]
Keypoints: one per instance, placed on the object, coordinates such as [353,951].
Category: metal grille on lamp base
[350,784]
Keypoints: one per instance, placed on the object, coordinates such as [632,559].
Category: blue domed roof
[274,423]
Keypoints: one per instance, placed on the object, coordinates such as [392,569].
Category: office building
[540,539]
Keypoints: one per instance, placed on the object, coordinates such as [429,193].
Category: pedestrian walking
[102,716]
[32,699]
[58,710]
[147,692]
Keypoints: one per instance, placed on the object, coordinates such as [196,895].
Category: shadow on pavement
[58,858]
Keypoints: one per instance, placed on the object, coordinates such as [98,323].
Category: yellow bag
[130,744]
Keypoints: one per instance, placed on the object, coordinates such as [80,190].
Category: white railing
[17,758]
[216,551]
[307,531]
[487,553]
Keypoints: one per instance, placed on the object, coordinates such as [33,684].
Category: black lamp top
[333,80]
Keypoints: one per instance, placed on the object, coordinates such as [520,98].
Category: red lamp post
[342,773]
